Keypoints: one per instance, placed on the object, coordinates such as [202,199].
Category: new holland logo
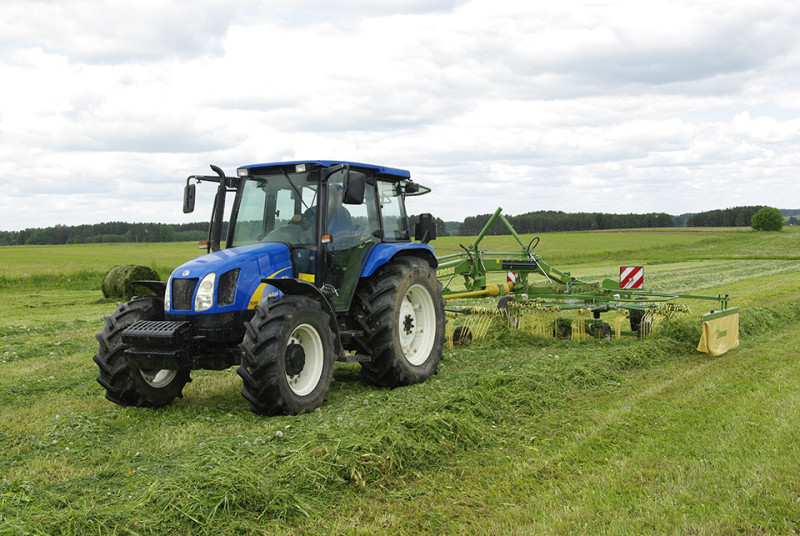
[631,277]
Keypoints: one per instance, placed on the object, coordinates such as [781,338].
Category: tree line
[729,217]
[115,231]
[549,221]
[544,221]
[532,222]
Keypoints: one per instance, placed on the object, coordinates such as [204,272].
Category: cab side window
[393,215]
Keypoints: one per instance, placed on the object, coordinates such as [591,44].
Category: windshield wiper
[294,187]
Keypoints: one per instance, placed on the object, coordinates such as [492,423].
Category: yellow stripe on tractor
[257,297]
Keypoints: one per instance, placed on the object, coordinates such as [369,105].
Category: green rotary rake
[544,300]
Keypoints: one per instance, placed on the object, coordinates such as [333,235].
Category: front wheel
[287,361]
[401,311]
[131,386]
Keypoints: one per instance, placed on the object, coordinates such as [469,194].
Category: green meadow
[516,434]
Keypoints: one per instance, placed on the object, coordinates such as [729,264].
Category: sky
[107,106]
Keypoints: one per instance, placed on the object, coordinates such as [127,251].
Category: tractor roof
[381,171]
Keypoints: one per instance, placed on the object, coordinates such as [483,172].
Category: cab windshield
[276,208]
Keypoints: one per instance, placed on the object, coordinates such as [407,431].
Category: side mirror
[425,229]
[188,198]
[354,186]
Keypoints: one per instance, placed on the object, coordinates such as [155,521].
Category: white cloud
[112,32]
[767,129]
[594,105]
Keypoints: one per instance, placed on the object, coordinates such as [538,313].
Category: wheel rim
[308,377]
[158,378]
[417,324]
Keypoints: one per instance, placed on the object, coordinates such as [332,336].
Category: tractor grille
[226,290]
[182,293]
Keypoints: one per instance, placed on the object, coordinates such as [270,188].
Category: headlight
[167,295]
[205,293]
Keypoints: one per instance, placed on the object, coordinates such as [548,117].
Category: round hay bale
[117,282]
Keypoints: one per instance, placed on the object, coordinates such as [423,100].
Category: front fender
[298,287]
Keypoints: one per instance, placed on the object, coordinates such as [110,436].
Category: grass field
[515,435]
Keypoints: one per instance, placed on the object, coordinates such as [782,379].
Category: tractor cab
[330,216]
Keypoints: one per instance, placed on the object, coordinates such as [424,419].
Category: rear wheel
[401,311]
[462,336]
[505,302]
[603,331]
[635,315]
[506,306]
[126,385]
[287,361]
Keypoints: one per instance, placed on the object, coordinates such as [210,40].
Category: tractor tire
[287,361]
[126,385]
[400,308]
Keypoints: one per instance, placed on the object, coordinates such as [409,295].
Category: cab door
[352,229]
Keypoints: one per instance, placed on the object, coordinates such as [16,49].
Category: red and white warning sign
[631,277]
[511,277]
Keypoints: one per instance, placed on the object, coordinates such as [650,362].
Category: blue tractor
[318,266]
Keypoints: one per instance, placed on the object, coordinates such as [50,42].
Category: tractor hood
[265,255]
[237,274]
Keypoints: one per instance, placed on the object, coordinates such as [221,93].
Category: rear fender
[385,252]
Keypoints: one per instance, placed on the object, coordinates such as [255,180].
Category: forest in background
[544,221]
[115,231]
[532,222]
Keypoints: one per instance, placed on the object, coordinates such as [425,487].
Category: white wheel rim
[307,379]
[417,324]
[158,378]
